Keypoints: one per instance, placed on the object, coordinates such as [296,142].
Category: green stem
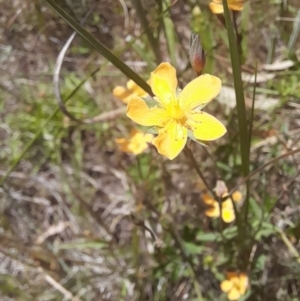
[239,91]
[190,155]
[147,29]
[188,260]
[246,206]
[101,48]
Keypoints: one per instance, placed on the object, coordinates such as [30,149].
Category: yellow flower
[228,214]
[235,285]
[136,144]
[216,6]
[126,93]
[178,114]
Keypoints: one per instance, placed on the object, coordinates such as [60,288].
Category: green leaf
[260,262]
[256,209]
[192,248]
[266,229]
[230,232]
[208,237]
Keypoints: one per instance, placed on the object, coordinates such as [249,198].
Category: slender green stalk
[252,108]
[188,260]
[169,32]
[190,155]
[295,32]
[101,48]
[142,15]
[238,35]
[239,92]
[246,206]
[289,245]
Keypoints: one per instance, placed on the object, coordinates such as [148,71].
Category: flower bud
[197,55]
[221,189]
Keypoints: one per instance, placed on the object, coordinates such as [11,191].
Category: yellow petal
[199,92]
[228,215]
[227,204]
[140,136]
[237,196]
[236,4]
[243,283]
[236,7]
[226,286]
[148,137]
[137,90]
[164,83]
[207,199]
[139,112]
[134,132]
[225,194]
[122,93]
[206,127]
[214,211]
[120,140]
[216,8]
[122,144]
[171,140]
[136,144]
[233,294]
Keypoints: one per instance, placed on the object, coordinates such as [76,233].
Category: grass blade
[101,48]
[154,42]
[169,32]
[239,91]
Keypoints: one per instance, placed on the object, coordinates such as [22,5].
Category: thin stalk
[238,35]
[189,261]
[239,91]
[142,15]
[190,155]
[169,32]
[101,48]
[246,206]
[254,172]
[289,245]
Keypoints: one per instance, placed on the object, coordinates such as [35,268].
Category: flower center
[177,113]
